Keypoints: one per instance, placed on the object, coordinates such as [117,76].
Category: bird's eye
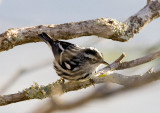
[94,60]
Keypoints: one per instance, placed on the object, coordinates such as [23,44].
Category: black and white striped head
[94,56]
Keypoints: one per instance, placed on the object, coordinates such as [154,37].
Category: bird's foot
[92,82]
[61,81]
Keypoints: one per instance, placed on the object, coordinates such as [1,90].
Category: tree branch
[100,93]
[129,64]
[102,27]
[55,104]
[104,75]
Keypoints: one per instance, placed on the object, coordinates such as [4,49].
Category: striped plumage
[71,61]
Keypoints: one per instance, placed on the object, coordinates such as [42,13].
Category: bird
[73,62]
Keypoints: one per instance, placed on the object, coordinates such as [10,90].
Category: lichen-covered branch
[104,75]
[143,17]
[55,104]
[99,93]
[102,27]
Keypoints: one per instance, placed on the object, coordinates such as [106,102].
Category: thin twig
[129,64]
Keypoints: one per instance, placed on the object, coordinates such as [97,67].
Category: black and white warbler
[71,61]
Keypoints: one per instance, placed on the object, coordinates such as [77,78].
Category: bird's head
[94,56]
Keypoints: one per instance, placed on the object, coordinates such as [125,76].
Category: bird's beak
[105,63]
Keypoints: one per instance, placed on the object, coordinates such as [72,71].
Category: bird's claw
[61,81]
[92,82]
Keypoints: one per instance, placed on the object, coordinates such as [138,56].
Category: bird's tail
[46,38]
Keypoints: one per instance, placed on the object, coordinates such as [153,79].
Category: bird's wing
[68,57]
[66,54]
